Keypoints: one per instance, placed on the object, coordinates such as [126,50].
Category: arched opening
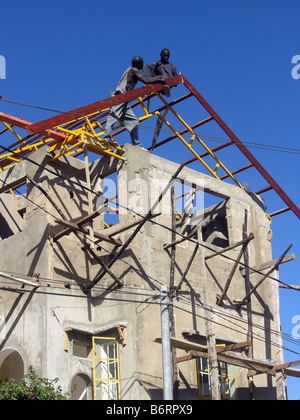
[11,365]
[83,390]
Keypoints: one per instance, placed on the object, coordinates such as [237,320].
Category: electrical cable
[215,139]
[240,329]
[222,313]
[42,107]
[129,290]
[223,141]
[237,328]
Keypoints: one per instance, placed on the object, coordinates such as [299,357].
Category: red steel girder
[19,122]
[243,149]
[44,127]
[100,106]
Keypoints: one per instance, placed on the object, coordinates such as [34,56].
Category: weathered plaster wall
[35,321]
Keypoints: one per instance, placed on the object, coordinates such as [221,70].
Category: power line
[41,107]
[224,140]
[136,291]
[240,327]
[211,138]
[155,297]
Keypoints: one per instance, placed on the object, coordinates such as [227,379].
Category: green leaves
[32,388]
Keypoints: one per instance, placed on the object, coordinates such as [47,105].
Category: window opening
[227,379]
[196,207]
[81,349]
[106,368]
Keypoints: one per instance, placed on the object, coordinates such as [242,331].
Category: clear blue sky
[64,54]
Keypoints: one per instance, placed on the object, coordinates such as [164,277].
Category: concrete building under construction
[89,245]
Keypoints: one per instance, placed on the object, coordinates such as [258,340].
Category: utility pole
[209,326]
[166,344]
[171,289]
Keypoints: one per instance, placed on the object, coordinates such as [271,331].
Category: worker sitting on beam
[123,112]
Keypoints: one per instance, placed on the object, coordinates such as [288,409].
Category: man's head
[165,55]
[137,62]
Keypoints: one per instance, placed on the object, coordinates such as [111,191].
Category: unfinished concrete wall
[51,327]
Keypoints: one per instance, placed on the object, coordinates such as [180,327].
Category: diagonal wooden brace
[278,262]
[80,237]
[245,244]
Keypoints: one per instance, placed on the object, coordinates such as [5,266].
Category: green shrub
[32,387]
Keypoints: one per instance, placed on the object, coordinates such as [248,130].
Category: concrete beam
[12,177]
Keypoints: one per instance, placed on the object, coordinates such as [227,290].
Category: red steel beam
[184,132]
[19,122]
[100,105]
[237,171]
[243,149]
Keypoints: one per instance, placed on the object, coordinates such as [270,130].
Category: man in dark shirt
[161,67]
[123,112]
[165,68]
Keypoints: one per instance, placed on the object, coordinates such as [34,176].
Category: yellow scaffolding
[89,129]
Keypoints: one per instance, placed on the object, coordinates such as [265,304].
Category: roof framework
[71,132]
[82,129]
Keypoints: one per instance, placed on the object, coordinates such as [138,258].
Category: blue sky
[64,54]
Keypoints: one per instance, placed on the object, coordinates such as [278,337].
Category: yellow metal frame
[89,131]
[96,380]
[226,375]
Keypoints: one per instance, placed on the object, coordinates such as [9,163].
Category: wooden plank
[228,248]
[292,372]
[14,290]
[66,341]
[188,267]
[184,358]
[130,226]
[99,106]
[276,213]
[189,236]
[172,296]
[80,222]
[232,347]
[278,262]
[289,286]
[287,371]
[90,217]
[18,122]
[190,346]
[228,282]
[268,264]
[286,365]
[122,333]
[184,344]
[243,362]
[72,226]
